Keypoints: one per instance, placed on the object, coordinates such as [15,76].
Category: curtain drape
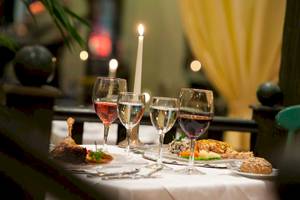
[239,45]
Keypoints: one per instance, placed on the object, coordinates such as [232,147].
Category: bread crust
[256,165]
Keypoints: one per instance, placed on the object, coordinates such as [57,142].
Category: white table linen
[215,184]
[93,131]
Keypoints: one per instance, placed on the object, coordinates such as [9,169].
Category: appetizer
[256,165]
[67,150]
[208,149]
[177,146]
[98,157]
[201,155]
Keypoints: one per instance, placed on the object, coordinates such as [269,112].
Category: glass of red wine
[196,111]
[105,97]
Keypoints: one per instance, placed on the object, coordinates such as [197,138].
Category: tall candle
[139,60]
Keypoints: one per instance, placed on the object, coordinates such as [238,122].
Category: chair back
[289,118]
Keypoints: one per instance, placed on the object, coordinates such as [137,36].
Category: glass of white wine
[131,108]
[163,115]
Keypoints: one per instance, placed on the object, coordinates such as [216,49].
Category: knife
[134,176]
[103,174]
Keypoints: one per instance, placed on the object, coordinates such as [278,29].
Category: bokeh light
[195,65]
[84,55]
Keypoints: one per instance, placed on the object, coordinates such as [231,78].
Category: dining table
[167,184]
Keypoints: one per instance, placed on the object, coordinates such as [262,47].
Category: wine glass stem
[128,140]
[192,154]
[160,149]
[106,129]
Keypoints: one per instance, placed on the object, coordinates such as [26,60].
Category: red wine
[194,124]
[106,111]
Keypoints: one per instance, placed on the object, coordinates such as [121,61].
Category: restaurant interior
[149,99]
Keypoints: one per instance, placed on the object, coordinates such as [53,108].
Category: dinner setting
[149,99]
[188,155]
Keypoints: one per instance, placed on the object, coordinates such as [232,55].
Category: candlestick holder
[134,139]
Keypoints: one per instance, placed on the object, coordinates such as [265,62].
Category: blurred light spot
[36,7]
[54,59]
[147,96]
[195,66]
[100,44]
[113,64]
[84,55]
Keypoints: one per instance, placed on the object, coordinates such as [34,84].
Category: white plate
[213,161]
[169,158]
[257,176]
[152,153]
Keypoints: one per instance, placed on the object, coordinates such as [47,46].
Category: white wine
[130,113]
[163,118]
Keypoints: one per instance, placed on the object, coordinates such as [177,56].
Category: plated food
[256,165]
[207,149]
[201,155]
[257,176]
[70,152]
[98,157]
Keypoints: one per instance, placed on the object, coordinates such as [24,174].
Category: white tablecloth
[215,184]
[93,131]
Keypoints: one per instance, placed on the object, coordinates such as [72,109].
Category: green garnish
[96,155]
[199,158]
[182,136]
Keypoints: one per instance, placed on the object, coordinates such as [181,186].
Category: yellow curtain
[239,44]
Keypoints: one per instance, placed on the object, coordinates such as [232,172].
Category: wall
[163,60]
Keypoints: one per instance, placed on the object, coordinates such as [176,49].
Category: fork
[134,176]
[103,174]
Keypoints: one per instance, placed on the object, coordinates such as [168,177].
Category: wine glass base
[133,143]
[157,166]
[190,171]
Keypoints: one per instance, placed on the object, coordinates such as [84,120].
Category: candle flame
[141,29]
[113,64]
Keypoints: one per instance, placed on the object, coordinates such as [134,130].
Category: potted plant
[63,18]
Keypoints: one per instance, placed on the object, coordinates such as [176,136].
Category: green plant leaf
[71,13]
[8,42]
[64,20]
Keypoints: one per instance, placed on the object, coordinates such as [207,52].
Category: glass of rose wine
[105,97]
[131,108]
[196,111]
[163,115]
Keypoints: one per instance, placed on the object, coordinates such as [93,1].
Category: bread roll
[256,165]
